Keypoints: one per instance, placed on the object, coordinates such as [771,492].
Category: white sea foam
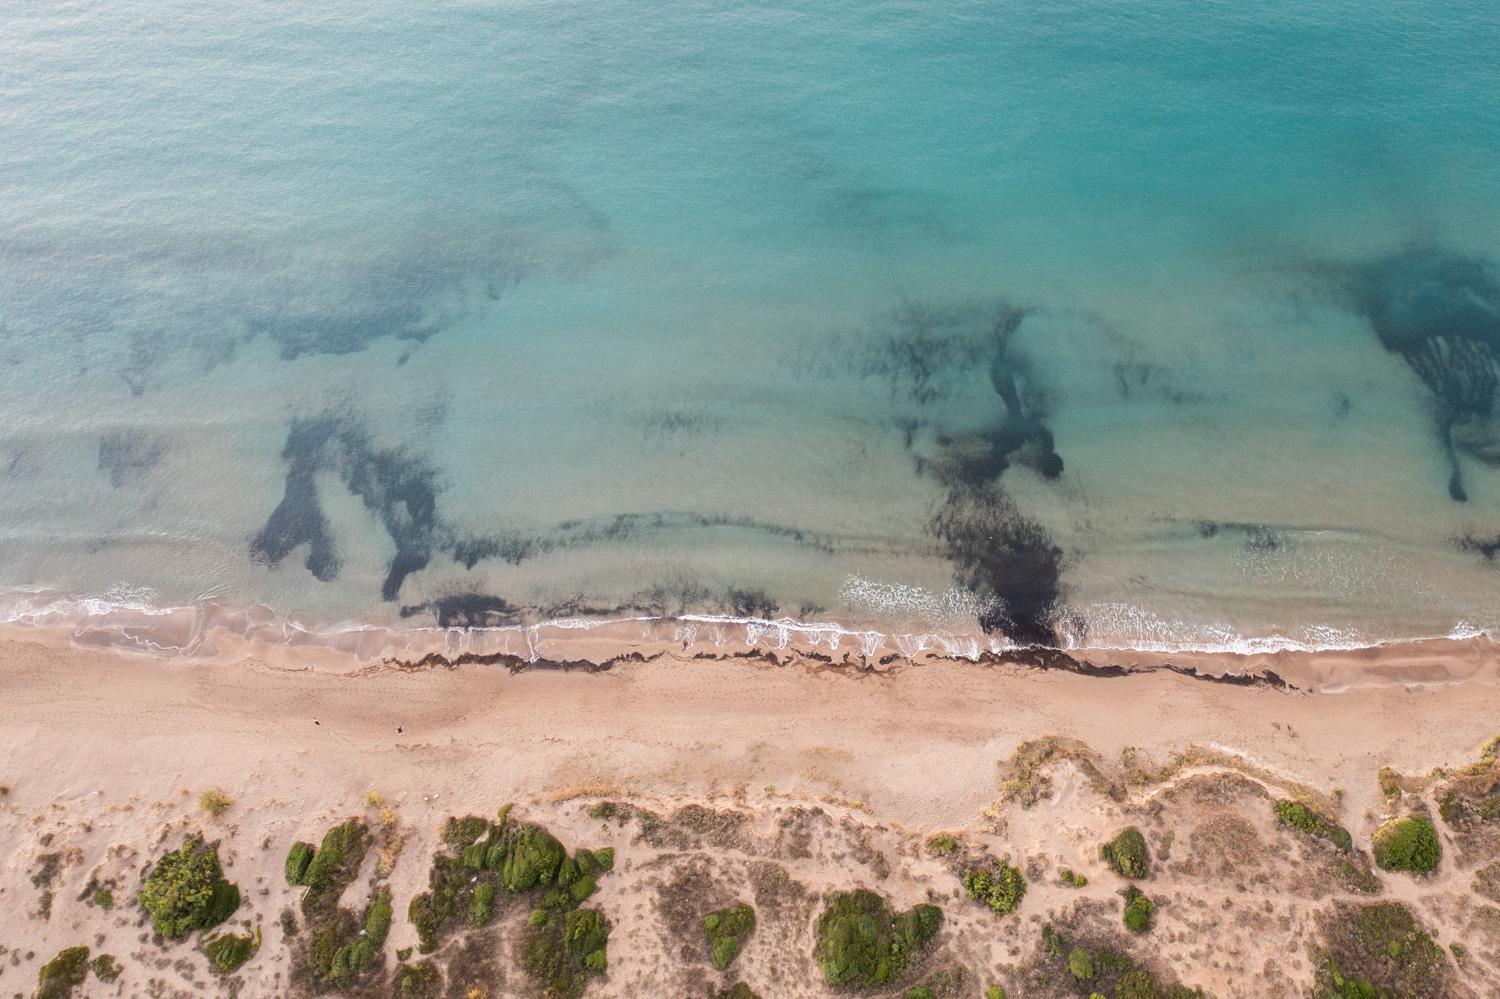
[128,620]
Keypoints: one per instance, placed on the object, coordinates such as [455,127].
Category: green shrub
[1377,951]
[418,981]
[727,930]
[1081,964]
[60,976]
[227,951]
[378,917]
[462,832]
[1103,972]
[104,899]
[941,844]
[1072,879]
[482,910]
[106,969]
[533,858]
[994,992]
[920,992]
[1001,887]
[482,859]
[1138,985]
[341,945]
[186,891]
[1138,914]
[1409,844]
[1127,854]
[1298,816]
[297,859]
[863,944]
[334,864]
[562,952]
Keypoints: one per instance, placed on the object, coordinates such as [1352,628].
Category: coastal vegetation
[215,802]
[337,946]
[227,951]
[64,973]
[1092,968]
[106,968]
[507,906]
[863,944]
[1377,950]
[1296,815]
[1072,879]
[739,990]
[421,980]
[1126,854]
[1408,844]
[484,867]
[69,969]
[1138,910]
[997,885]
[727,930]
[187,891]
[941,844]
[297,859]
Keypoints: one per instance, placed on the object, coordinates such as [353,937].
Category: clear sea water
[1161,323]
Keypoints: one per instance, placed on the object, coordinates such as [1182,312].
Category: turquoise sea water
[1168,324]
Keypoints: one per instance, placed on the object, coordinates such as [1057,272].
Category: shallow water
[1160,325]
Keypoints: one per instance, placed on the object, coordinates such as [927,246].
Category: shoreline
[214,634]
[602,645]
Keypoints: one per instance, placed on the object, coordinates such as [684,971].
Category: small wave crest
[129,621]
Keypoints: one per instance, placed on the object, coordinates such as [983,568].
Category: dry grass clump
[1027,776]
[215,801]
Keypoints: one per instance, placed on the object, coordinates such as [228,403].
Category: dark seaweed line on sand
[1034,657]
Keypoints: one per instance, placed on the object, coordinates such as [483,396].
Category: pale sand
[99,748]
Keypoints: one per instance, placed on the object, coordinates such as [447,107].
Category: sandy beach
[104,757]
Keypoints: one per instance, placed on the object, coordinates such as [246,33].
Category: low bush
[739,990]
[727,930]
[482,910]
[60,976]
[482,858]
[1295,815]
[1379,950]
[418,981]
[1072,879]
[1098,971]
[228,951]
[863,944]
[1138,912]
[333,866]
[1081,964]
[1127,855]
[215,802]
[339,945]
[186,891]
[941,844]
[999,886]
[297,859]
[106,968]
[563,952]
[103,898]
[1408,844]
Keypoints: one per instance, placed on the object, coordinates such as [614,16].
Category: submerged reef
[1440,312]
[930,354]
